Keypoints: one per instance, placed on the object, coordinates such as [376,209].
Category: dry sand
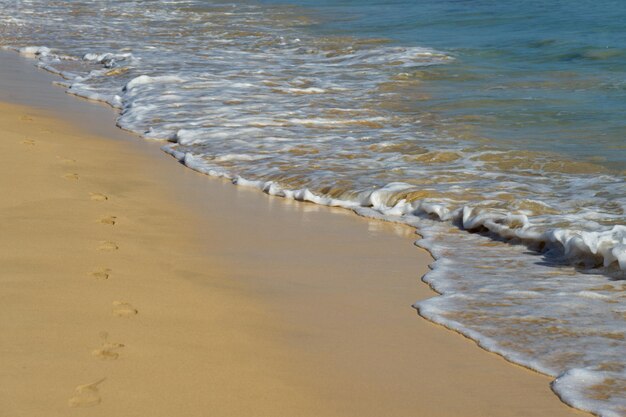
[132,286]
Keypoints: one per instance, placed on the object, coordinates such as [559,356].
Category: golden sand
[98,307]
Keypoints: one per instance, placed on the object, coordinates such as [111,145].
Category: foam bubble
[34,51]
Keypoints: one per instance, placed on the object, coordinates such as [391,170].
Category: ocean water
[494,128]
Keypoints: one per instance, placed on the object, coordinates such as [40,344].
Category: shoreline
[338,309]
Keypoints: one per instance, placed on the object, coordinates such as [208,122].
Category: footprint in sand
[66,160]
[71,176]
[108,246]
[110,220]
[26,118]
[101,273]
[86,395]
[108,350]
[124,309]
[98,197]
[28,142]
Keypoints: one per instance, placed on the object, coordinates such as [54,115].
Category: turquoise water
[542,75]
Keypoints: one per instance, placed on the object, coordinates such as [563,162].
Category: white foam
[146,79]
[34,51]
[572,387]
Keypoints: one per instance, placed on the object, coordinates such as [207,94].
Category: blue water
[543,75]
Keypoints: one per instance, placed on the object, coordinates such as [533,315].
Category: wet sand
[133,286]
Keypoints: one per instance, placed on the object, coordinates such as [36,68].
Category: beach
[135,286]
[490,135]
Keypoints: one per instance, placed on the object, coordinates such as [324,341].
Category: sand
[132,286]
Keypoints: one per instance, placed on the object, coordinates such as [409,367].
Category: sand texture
[132,286]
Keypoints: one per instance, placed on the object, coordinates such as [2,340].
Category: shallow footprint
[66,160]
[71,176]
[98,197]
[110,220]
[124,309]
[28,142]
[108,349]
[102,273]
[26,118]
[86,395]
[108,246]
